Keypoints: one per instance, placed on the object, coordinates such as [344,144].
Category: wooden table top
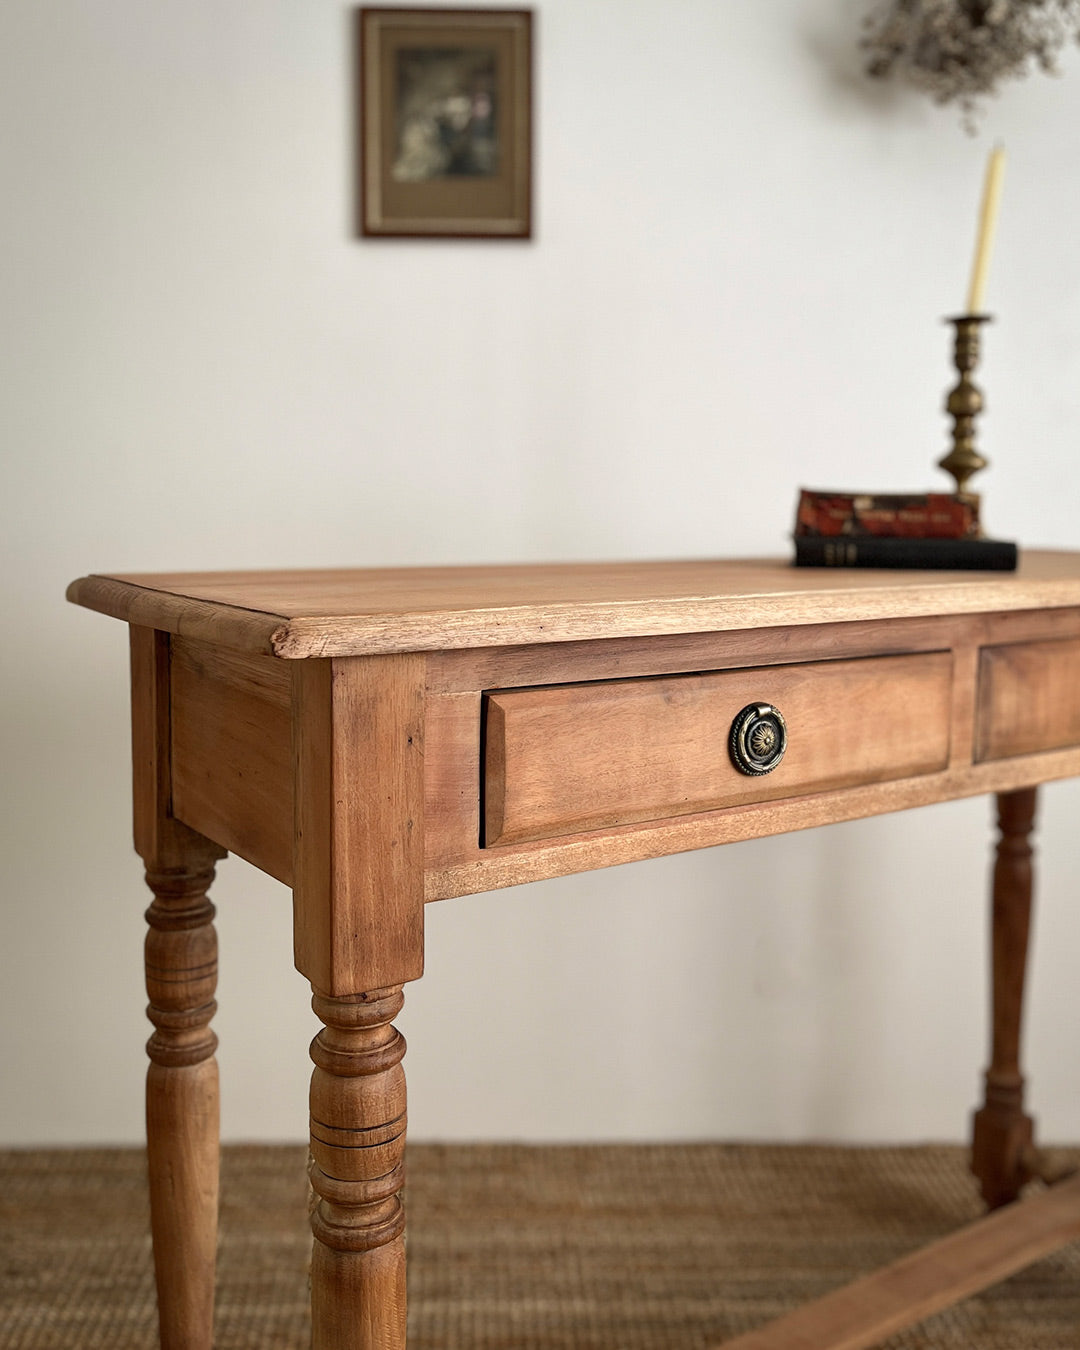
[346,612]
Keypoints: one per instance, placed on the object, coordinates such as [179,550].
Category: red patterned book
[894,515]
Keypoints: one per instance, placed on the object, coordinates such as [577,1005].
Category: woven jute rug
[627,1247]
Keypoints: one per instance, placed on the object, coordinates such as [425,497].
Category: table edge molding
[302,637]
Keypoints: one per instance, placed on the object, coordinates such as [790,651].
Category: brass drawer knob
[758,739]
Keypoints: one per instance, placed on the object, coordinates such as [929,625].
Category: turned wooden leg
[1002,1132]
[182,1101]
[357,1170]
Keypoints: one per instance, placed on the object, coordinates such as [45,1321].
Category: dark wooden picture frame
[445,123]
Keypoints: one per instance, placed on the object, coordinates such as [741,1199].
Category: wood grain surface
[1002,1132]
[357,775]
[299,614]
[567,758]
[182,1095]
[485,869]
[863,1314]
[357,1170]
[1029,698]
[232,762]
[358,875]
[232,767]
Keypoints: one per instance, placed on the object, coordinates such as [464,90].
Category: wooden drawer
[566,758]
[1029,698]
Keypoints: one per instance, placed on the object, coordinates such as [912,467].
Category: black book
[945,555]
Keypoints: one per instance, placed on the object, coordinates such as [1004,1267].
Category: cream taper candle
[995,174]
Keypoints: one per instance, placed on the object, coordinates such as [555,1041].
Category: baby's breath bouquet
[961,50]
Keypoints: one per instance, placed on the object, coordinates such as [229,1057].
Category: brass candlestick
[965,401]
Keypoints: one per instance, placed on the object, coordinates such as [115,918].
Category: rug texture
[512,1247]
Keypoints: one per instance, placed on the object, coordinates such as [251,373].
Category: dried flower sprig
[959,51]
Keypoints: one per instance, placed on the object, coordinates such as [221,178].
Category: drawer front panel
[566,758]
[1029,698]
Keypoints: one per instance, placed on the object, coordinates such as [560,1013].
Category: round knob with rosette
[758,739]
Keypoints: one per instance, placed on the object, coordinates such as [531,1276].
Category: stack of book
[860,529]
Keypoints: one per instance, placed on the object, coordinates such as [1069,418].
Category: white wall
[743,256]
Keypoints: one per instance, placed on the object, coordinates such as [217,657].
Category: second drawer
[566,758]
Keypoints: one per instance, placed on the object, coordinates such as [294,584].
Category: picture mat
[498,204]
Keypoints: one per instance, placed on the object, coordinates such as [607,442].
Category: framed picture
[446,122]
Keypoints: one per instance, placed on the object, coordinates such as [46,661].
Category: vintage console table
[380,739]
